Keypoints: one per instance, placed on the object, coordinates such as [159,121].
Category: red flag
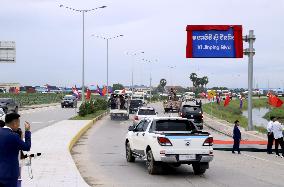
[17,90]
[104,91]
[274,101]
[227,101]
[88,96]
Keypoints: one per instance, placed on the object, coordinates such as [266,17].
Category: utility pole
[250,52]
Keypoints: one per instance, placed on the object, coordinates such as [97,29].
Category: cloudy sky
[49,41]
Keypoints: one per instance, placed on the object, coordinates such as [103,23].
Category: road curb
[84,130]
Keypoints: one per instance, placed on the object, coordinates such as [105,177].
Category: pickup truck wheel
[151,164]
[198,169]
[129,155]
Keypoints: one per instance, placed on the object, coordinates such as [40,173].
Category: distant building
[6,87]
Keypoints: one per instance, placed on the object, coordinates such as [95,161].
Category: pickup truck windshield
[146,112]
[174,125]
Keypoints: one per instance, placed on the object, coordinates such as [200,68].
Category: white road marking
[265,160]
[51,121]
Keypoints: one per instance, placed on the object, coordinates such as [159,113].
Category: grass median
[233,112]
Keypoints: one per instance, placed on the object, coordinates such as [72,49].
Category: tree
[163,82]
[198,82]
[193,78]
[204,81]
[160,89]
[117,87]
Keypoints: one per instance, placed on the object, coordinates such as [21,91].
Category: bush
[92,106]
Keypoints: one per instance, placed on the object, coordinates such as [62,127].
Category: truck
[173,103]
[169,140]
[119,107]
[189,96]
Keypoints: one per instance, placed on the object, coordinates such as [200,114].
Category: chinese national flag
[88,96]
[227,101]
[274,101]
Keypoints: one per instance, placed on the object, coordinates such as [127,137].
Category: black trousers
[270,139]
[236,146]
[9,183]
[277,142]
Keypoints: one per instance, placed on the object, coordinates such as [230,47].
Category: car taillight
[208,141]
[136,118]
[164,141]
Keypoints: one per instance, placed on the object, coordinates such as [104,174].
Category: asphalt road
[100,157]
[46,116]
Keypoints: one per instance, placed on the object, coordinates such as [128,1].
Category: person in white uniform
[277,130]
[270,137]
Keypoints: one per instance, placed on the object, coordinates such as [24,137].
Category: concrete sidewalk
[55,167]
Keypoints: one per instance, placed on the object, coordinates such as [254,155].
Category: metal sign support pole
[250,52]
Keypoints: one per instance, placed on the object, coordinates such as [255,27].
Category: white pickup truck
[170,140]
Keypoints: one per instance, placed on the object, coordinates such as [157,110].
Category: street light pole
[132,67]
[150,62]
[250,52]
[83,47]
[107,55]
[83,64]
[171,76]
[107,67]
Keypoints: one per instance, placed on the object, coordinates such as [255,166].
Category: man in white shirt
[277,130]
[270,136]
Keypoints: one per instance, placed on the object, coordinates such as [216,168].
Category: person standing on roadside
[237,136]
[270,136]
[10,145]
[277,130]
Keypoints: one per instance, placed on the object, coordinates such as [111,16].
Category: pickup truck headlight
[164,141]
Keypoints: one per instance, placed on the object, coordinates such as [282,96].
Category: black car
[194,113]
[134,105]
[9,105]
[69,101]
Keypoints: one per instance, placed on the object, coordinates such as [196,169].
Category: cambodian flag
[99,91]
[75,91]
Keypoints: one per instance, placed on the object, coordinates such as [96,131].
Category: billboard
[7,52]
[214,41]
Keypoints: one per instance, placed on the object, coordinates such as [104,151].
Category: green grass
[88,116]
[233,112]
[25,99]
